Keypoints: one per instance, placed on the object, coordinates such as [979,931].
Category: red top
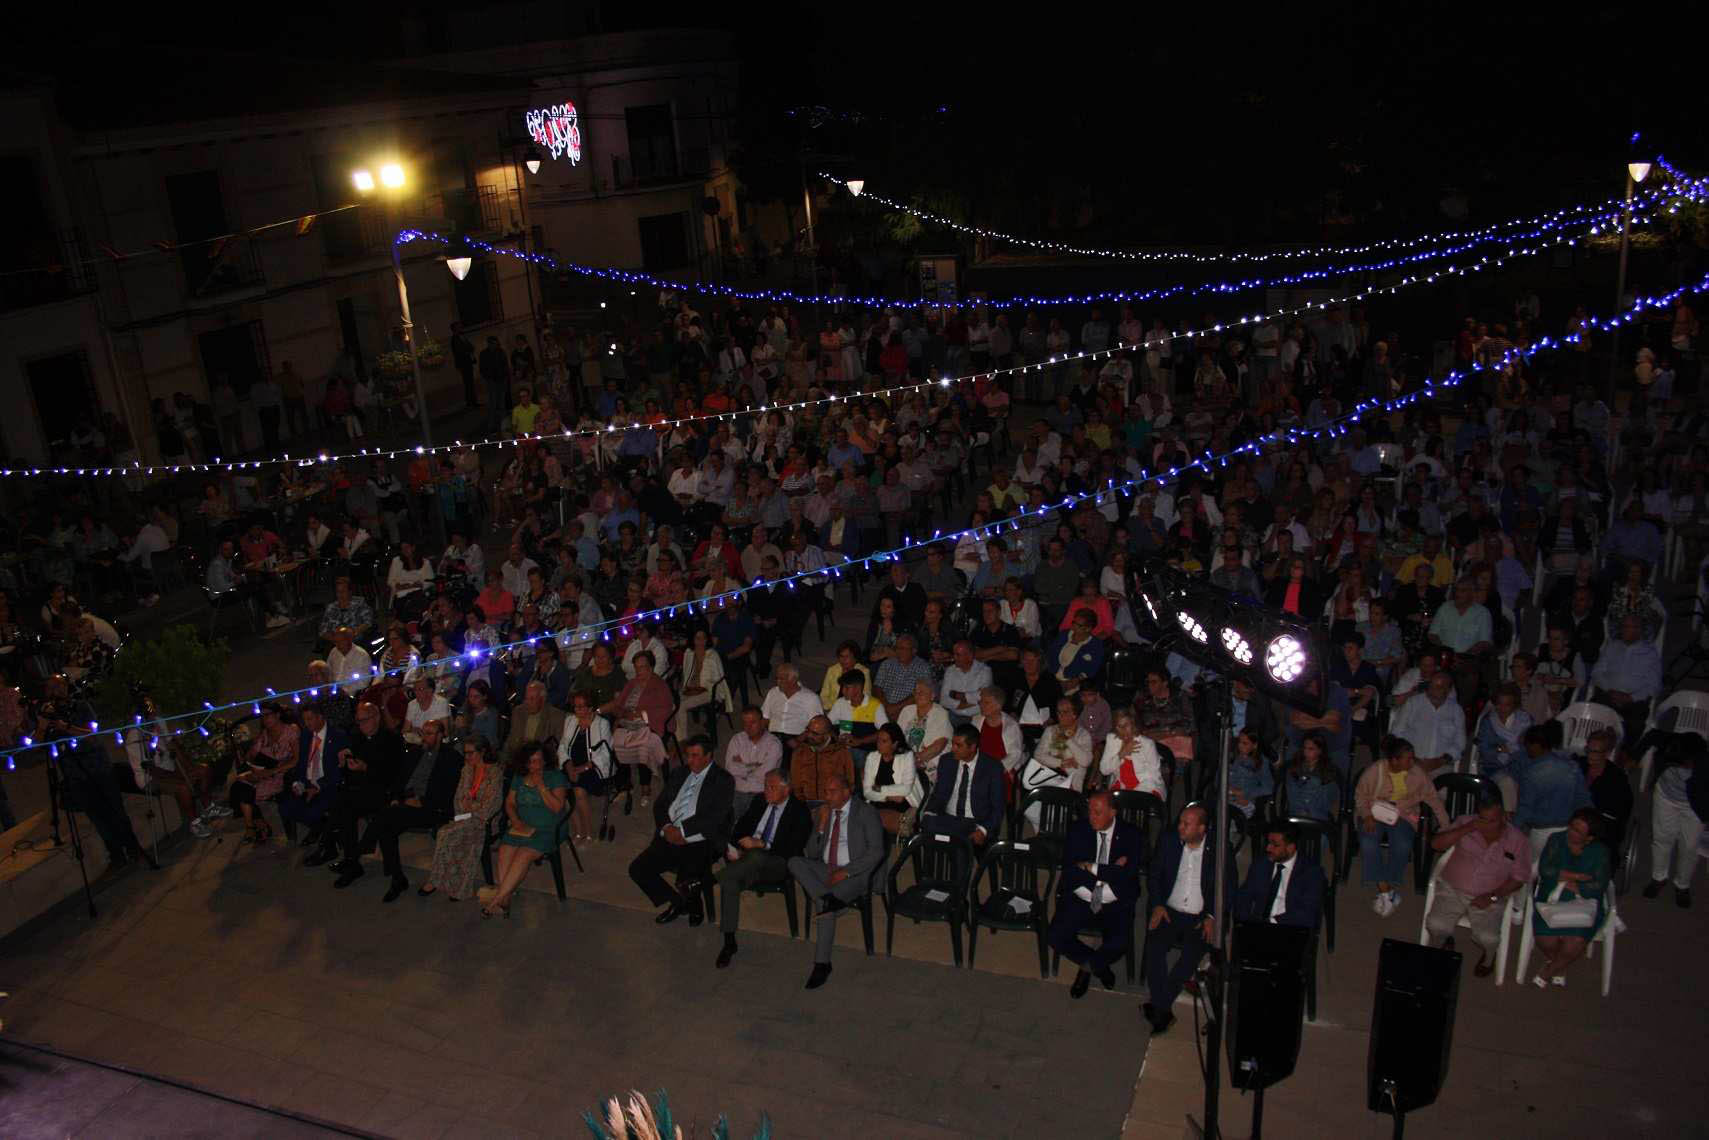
[991,739]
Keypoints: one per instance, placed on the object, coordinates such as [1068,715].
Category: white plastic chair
[1604,935]
[1581,718]
[1691,709]
[1470,761]
[1512,912]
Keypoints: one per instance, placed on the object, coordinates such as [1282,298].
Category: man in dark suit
[967,800]
[1280,887]
[425,801]
[313,785]
[372,773]
[1183,896]
[770,833]
[846,848]
[1098,890]
[692,815]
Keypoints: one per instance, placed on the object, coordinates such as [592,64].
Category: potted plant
[180,671]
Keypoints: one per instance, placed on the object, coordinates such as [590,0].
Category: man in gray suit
[844,851]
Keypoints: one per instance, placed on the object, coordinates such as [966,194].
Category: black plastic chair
[1460,793]
[861,903]
[494,832]
[1057,808]
[1124,673]
[786,887]
[942,865]
[1144,811]
[1014,871]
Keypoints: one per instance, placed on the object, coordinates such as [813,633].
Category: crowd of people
[1474,569]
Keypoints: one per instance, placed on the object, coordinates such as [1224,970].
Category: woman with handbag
[1386,803]
[1572,878]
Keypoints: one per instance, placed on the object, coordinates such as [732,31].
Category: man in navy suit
[1183,895]
[313,784]
[1280,887]
[967,799]
[1098,890]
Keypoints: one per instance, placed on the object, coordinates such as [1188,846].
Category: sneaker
[200,829]
[1654,888]
[1381,905]
[217,811]
[1682,897]
[1394,901]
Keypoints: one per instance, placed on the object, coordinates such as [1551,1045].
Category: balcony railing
[213,268]
[57,269]
[626,173]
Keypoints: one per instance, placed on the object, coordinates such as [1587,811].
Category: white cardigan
[1146,763]
[711,678]
[1077,748]
[1014,750]
[907,782]
[598,743]
[937,728]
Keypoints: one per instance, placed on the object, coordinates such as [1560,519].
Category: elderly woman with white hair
[999,733]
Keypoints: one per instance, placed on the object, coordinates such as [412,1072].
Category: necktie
[966,786]
[1275,889]
[314,759]
[831,845]
[1103,848]
[770,822]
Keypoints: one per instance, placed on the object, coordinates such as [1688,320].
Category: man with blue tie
[770,833]
[692,815]
[845,850]
[1098,890]
[1182,885]
[967,800]
[1279,887]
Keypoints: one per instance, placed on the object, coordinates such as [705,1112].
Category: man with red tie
[846,848]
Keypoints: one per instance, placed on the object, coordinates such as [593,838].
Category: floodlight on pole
[1285,659]
[391,176]
[364,180]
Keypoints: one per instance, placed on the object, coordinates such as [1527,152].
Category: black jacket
[788,837]
[446,769]
[1166,864]
[711,818]
[386,772]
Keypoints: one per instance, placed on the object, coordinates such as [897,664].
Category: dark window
[238,352]
[34,242]
[664,241]
[652,141]
[64,395]
[477,296]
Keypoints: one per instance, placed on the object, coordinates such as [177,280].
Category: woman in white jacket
[585,756]
[925,728]
[702,681]
[1130,760]
[1002,727]
[890,783]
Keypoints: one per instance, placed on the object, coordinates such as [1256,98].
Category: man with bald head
[1183,893]
[534,720]
[845,849]
[1098,889]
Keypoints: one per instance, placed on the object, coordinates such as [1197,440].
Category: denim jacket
[1551,788]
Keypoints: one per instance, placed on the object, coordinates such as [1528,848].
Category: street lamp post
[392,178]
[1636,172]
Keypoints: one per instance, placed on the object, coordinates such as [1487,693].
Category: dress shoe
[727,953]
[1082,982]
[820,975]
[398,887]
[670,914]
[348,875]
[320,858]
[1484,968]
[1107,978]
[696,916]
[831,904]
[1654,888]
[1162,1025]
[1683,898]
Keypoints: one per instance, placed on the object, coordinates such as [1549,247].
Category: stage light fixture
[1238,647]
[1285,659]
[1191,624]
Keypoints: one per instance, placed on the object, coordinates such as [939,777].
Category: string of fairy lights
[1567,215]
[323,458]
[197,721]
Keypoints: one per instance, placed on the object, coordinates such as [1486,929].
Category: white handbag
[1574,914]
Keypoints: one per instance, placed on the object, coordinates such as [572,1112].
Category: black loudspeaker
[1412,1026]
[1266,1002]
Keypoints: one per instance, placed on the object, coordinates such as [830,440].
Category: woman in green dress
[538,793]
[1577,862]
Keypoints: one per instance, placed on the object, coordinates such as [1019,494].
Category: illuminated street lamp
[364,180]
[392,177]
[856,185]
[1636,172]
[459,266]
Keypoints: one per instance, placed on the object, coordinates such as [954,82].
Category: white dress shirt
[790,714]
[1186,897]
[687,798]
[1281,903]
[963,774]
[1431,731]
[353,671]
[837,821]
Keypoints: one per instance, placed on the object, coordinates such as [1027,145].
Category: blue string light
[584,635]
[1565,216]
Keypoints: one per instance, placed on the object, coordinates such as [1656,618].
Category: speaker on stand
[1412,1028]
[1266,1007]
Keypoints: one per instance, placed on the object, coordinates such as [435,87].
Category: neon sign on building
[555,129]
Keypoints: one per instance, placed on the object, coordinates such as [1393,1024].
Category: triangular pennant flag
[305,224]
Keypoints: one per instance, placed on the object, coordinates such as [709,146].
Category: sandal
[427,889]
[492,911]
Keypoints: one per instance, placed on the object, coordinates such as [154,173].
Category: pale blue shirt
[1634,669]
[687,798]
[1460,631]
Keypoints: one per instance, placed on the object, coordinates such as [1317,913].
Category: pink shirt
[1478,868]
